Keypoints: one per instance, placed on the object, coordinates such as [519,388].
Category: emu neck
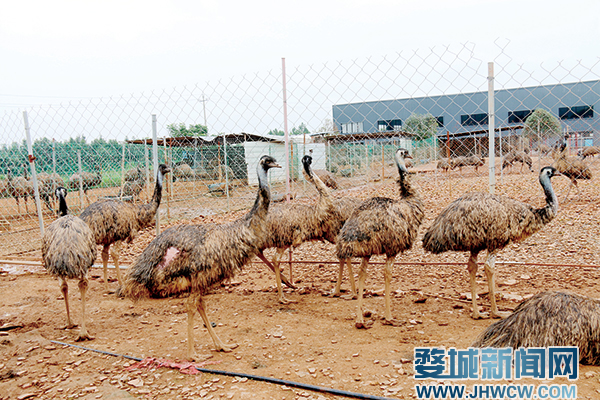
[551,200]
[261,205]
[62,206]
[146,212]
[324,195]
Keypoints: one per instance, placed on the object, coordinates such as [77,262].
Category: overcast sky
[57,50]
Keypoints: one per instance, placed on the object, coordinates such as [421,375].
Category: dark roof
[479,132]
[354,137]
[231,138]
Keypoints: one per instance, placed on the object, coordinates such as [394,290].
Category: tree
[193,130]
[300,130]
[276,132]
[423,126]
[542,124]
[328,127]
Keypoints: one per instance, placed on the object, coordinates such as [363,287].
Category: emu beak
[274,165]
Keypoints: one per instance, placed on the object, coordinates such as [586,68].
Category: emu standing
[68,251]
[88,181]
[482,221]
[382,225]
[290,225]
[193,258]
[550,319]
[573,168]
[113,221]
[19,187]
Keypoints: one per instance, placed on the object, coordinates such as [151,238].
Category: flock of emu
[193,258]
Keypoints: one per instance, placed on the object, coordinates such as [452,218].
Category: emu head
[306,162]
[267,162]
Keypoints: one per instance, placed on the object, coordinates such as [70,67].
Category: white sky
[57,50]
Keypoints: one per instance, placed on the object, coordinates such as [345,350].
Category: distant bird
[88,181]
[444,164]
[19,187]
[572,168]
[589,151]
[68,252]
[462,161]
[115,221]
[515,156]
[483,221]
[381,225]
[193,258]
[550,319]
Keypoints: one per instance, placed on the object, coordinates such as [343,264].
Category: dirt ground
[313,340]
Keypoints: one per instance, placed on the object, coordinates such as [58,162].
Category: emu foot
[500,314]
[363,324]
[349,296]
[284,300]
[392,322]
[70,325]
[84,336]
[226,349]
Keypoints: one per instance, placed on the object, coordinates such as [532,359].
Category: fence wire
[350,116]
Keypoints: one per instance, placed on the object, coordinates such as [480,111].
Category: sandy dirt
[311,341]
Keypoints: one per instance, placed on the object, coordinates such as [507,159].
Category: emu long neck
[62,206]
[325,197]
[548,212]
[146,212]
[406,189]
[260,208]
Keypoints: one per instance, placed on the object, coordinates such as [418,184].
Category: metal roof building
[466,114]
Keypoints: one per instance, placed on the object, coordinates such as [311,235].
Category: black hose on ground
[249,376]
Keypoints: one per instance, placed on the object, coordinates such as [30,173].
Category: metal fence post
[285,131]
[491,120]
[155,164]
[36,191]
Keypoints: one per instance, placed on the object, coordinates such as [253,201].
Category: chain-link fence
[350,116]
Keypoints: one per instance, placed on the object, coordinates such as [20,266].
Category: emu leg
[276,258]
[284,279]
[83,286]
[472,267]
[490,272]
[64,288]
[199,302]
[389,263]
[338,290]
[362,273]
[105,266]
[115,251]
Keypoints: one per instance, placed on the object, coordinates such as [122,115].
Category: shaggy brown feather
[115,221]
[550,319]
[382,226]
[68,251]
[482,221]
[193,258]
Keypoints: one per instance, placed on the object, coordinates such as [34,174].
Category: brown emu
[517,156]
[550,319]
[68,252]
[382,225]
[88,181]
[290,225]
[193,258]
[48,183]
[483,221]
[571,167]
[589,151]
[114,221]
[19,187]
